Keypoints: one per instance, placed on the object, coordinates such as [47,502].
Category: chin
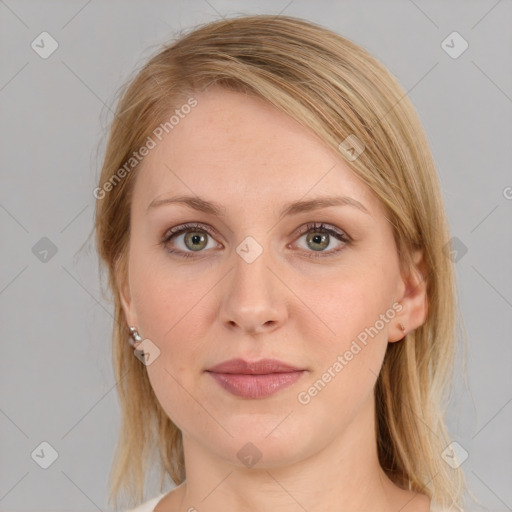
[264,442]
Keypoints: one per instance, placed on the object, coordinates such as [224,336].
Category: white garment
[147,506]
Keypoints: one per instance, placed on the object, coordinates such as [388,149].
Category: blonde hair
[336,89]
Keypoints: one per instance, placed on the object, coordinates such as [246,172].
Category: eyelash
[320,228]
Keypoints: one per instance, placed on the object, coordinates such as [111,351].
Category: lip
[261,367]
[255,379]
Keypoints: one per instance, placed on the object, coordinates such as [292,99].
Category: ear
[125,297]
[413,298]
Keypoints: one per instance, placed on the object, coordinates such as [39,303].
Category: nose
[253,298]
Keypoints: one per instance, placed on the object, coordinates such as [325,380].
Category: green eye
[195,240]
[320,240]
[319,237]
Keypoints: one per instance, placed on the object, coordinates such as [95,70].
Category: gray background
[55,370]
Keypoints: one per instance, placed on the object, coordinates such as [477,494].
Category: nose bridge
[251,299]
[251,278]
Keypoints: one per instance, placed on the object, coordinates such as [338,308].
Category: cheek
[164,296]
[172,310]
[171,314]
[345,364]
[353,315]
[341,308]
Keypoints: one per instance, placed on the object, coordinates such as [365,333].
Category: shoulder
[147,506]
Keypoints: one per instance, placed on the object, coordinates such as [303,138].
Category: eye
[318,237]
[195,239]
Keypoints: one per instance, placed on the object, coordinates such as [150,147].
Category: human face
[303,300]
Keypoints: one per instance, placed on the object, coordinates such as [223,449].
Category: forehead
[240,150]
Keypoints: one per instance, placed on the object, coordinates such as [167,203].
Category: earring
[402,327]
[135,337]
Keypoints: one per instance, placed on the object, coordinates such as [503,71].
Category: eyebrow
[294,208]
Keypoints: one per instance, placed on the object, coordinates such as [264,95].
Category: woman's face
[255,278]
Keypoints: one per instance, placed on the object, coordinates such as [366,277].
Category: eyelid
[188,226]
[204,227]
[321,226]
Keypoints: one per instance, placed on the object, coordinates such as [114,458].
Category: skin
[252,159]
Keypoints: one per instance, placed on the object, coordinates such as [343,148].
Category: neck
[345,474]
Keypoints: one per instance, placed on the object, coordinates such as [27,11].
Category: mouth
[254,379]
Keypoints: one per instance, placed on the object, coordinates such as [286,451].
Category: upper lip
[261,367]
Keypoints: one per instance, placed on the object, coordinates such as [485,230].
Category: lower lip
[255,386]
